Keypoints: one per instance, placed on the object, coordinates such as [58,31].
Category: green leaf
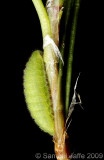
[70,56]
[66,15]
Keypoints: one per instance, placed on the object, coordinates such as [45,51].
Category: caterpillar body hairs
[36,93]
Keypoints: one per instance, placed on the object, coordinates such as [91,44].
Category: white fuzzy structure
[73,102]
[49,3]
[47,41]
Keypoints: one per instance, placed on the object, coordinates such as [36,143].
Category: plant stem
[43,17]
[60,136]
[54,11]
[49,55]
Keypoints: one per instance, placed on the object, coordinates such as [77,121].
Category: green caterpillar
[37,93]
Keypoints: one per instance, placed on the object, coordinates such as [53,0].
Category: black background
[24,35]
